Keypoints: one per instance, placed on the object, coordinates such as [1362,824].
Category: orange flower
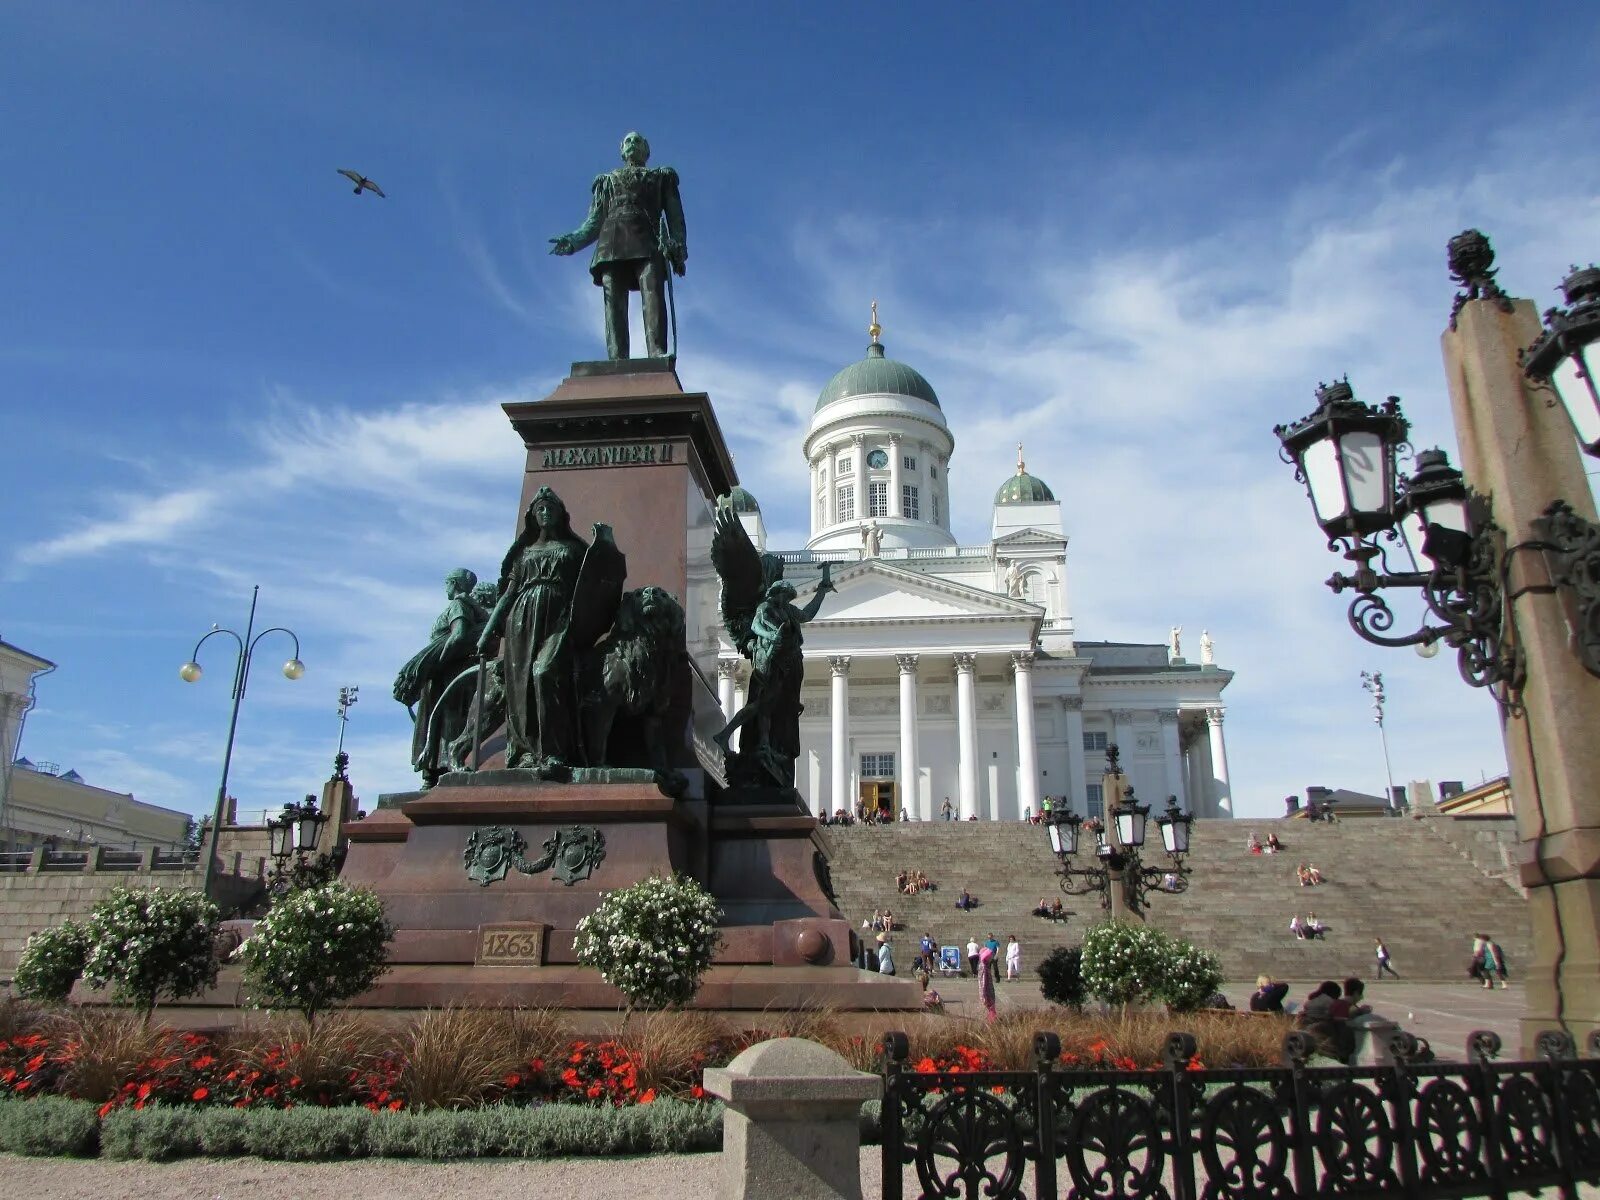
[200,1093]
[647,1096]
[512,1079]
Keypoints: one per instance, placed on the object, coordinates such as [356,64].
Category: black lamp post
[1119,857]
[1346,454]
[190,672]
[294,836]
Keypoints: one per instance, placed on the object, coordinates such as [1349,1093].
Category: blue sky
[1133,238]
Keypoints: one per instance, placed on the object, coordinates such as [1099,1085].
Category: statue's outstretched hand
[563,245]
[676,253]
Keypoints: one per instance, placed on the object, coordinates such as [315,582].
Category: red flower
[144,1091]
[646,1096]
[394,1106]
[106,1108]
[200,1093]
[204,1061]
[512,1079]
[697,1092]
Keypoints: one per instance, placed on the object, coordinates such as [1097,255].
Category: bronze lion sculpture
[630,673]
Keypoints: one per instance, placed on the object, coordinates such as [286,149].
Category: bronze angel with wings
[761,618]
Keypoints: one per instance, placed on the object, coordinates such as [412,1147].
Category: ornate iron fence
[1415,1129]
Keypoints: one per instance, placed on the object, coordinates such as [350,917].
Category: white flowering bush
[1193,976]
[51,962]
[652,941]
[1125,962]
[315,947]
[150,943]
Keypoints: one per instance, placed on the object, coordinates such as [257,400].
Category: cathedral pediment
[873,591]
[1030,538]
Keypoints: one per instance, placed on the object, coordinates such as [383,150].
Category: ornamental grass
[464,1059]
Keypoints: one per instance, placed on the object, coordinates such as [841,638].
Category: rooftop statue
[432,679]
[635,224]
[759,613]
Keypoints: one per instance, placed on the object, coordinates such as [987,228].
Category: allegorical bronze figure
[761,618]
[635,224]
[426,680]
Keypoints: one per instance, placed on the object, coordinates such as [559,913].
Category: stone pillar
[739,696]
[896,476]
[1174,760]
[967,734]
[1221,796]
[792,1125]
[1027,745]
[1122,734]
[917,805]
[839,711]
[726,670]
[1202,794]
[1517,446]
[813,518]
[1077,782]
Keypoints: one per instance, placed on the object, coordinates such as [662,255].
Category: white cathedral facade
[947,672]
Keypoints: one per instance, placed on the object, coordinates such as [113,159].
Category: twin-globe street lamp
[190,672]
[1455,555]
[1121,876]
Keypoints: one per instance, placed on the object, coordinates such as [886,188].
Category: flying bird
[363,184]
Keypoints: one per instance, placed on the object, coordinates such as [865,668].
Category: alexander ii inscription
[616,454]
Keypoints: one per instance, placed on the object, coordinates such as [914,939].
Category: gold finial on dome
[1021,467]
[874,329]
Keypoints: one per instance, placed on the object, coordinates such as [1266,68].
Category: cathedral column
[814,518]
[1221,796]
[916,805]
[1173,757]
[839,710]
[895,476]
[737,739]
[967,733]
[1122,733]
[829,489]
[726,668]
[1027,745]
[1077,782]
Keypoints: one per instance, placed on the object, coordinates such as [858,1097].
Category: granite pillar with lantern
[1506,575]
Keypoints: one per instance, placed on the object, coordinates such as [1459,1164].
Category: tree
[51,962]
[652,941]
[317,946]
[1061,977]
[146,943]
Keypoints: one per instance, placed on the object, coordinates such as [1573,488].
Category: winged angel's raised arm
[743,575]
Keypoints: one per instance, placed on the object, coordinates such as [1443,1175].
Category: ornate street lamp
[1119,859]
[1344,453]
[1566,357]
[308,826]
[295,835]
[280,834]
[190,672]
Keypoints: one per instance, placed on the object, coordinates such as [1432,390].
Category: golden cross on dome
[874,329]
[1021,470]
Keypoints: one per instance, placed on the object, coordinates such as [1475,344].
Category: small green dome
[1023,488]
[877,375]
[742,501]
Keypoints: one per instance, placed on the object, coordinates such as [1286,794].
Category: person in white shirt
[972,955]
[1013,958]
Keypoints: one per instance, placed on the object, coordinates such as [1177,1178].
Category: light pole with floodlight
[190,672]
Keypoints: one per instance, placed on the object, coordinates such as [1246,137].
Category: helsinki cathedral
[947,672]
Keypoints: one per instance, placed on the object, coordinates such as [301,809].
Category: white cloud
[128,521]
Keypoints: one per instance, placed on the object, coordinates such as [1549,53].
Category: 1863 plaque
[516,944]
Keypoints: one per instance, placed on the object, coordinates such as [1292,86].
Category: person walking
[947,810]
[1476,969]
[1382,952]
[992,945]
[972,955]
[1013,958]
[986,977]
[1494,962]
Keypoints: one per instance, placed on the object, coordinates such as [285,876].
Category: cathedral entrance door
[878,797]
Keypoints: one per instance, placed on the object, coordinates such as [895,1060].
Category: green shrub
[49,1125]
[146,943]
[316,947]
[1124,962]
[51,962]
[1061,977]
[652,941]
[1193,976]
[159,1133]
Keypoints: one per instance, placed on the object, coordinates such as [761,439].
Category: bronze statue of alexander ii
[635,224]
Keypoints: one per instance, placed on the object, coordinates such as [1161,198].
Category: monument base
[487,876]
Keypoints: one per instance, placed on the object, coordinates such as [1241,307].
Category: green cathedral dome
[877,375]
[741,501]
[1023,488]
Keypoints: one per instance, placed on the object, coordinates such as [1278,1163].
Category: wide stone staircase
[1385,877]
